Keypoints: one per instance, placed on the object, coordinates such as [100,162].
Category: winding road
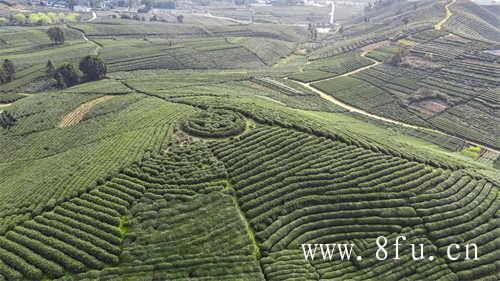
[351,108]
[94,16]
[85,38]
[448,15]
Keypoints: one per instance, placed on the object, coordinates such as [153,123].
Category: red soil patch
[430,106]
[418,62]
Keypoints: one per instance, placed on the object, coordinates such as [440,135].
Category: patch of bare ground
[419,62]
[75,116]
[368,48]
[430,102]
[430,106]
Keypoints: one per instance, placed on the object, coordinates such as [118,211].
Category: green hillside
[214,148]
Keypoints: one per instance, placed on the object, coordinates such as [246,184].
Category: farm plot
[269,50]
[366,96]
[203,55]
[78,113]
[18,40]
[36,170]
[473,22]
[331,67]
[383,53]
[186,213]
[295,188]
[133,29]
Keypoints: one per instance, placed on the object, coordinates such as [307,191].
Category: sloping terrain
[212,149]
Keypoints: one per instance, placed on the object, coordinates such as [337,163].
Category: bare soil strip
[75,116]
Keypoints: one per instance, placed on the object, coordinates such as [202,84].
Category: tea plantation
[214,145]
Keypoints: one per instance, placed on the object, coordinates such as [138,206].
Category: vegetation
[215,124]
[209,145]
[7,71]
[7,120]
[93,67]
[56,35]
[66,76]
[40,18]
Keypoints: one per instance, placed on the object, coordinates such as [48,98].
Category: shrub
[66,76]
[56,35]
[7,120]
[93,67]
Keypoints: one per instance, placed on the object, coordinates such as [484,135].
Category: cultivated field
[214,145]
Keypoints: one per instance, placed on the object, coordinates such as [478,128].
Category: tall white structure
[332,13]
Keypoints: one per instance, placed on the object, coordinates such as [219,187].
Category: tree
[50,67]
[313,33]
[19,19]
[93,67]
[39,19]
[66,76]
[180,18]
[396,59]
[7,120]
[56,35]
[9,70]
[3,21]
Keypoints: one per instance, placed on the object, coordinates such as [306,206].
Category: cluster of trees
[133,17]
[7,71]
[93,68]
[179,18]
[148,4]
[397,59]
[39,19]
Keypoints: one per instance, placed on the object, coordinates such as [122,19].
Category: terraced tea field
[216,141]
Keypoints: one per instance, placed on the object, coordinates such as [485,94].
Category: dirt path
[75,116]
[385,119]
[94,16]
[350,108]
[365,50]
[439,25]
[98,46]
[209,15]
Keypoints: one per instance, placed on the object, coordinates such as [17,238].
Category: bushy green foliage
[56,35]
[138,177]
[215,123]
[93,67]
[7,71]
[6,120]
[66,76]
